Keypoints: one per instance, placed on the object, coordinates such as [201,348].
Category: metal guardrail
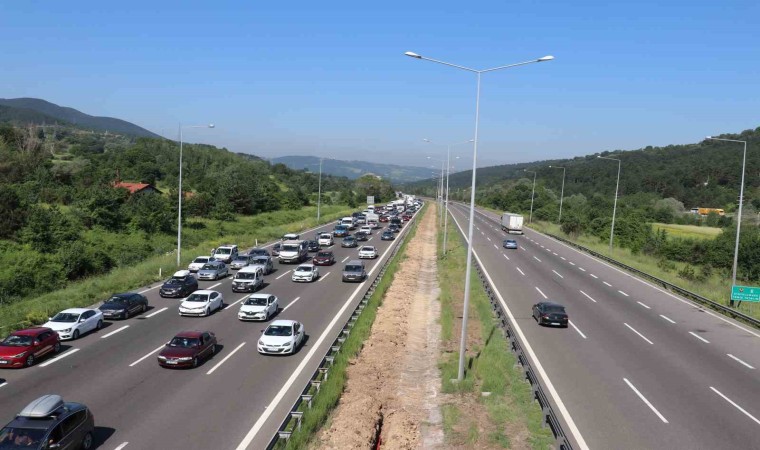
[294,418]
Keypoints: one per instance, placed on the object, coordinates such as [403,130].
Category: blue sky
[330,78]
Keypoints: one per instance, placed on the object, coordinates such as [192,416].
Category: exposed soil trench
[392,393]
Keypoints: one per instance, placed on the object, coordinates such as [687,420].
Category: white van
[348,222]
[248,279]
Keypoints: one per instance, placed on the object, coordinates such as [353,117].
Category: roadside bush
[687,273]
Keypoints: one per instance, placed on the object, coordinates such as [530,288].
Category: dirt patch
[392,391]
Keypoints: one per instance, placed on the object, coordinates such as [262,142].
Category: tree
[150,213]
[12,212]
[48,228]
[101,206]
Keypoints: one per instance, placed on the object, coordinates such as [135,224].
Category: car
[324,258]
[50,423]
[213,270]
[265,262]
[325,240]
[240,261]
[198,263]
[361,219]
[293,252]
[510,243]
[384,218]
[124,306]
[248,279]
[354,271]
[368,251]
[281,337]
[397,221]
[259,252]
[550,313]
[22,348]
[361,236]
[181,284]
[394,228]
[305,272]
[74,322]
[340,231]
[312,246]
[387,236]
[259,307]
[291,237]
[276,249]
[201,303]
[366,229]
[406,217]
[373,224]
[187,349]
[225,253]
[349,242]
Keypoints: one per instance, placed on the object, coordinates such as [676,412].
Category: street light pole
[562,193]
[319,191]
[532,194]
[739,220]
[468,270]
[446,204]
[179,200]
[614,207]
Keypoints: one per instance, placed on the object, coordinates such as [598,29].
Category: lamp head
[545,58]
[413,55]
[211,125]
[708,137]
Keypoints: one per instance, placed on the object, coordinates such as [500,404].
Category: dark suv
[50,423]
[182,284]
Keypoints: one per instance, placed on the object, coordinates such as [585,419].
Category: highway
[236,399]
[638,367]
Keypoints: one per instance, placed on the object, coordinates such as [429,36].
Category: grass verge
[245,231]
[332,388]
[687,231]
[505,417]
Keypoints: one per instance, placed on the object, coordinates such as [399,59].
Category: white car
[281,337]
[258,307]
[368,251]
[198,263]
[325,240]
[374,224]
[74,322]
[366,229]
[305,272]
[201,303]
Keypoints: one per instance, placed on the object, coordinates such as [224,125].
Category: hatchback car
[387,236]
[50,423]
[181,284]
[124,306]
[361,236]
[354,271]
[394,228]
[259,307]
[213,271]
[201,303]
[349,242]
[305,272]
[323,258]
[276,249]
[24,347]
[368,251]
[198,263]
[281,337]
[187,349]
[267,266]
[325,239]
[225,253]
[510,243]
[366,229]
[74,322]
[340,231]
[550,313]
[312,246]
[240,261]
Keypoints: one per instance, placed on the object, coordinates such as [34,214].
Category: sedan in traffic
[240,261]
[201,303]
[510,243]
[24,347]
[259,307]
[259,252]
[312,246]
[324,258]
[361,236]
[74,322]
[213,271]
[187,349]
[267,266]
[368,251]
[281,337]
[305,272]
[181,284]
[276,249]
[387,236]
[550,313]
[349,242]
[198,263]
[124,306]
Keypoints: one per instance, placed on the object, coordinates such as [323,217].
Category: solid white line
[114,332]
[581,269]
[625,294]
[644,399]
[557,273]
[537,259]
[645,306]
[505,256]
[121,446]
[518,269]
[156,312]
[588,296]
[739,361]
[667,318]
[322,277]
[571,263]
[149,289]
[539,291]
[576,329]
[640,335]
[225,359]
[736,406]
[593,275]
[345,259]
[146,356]
[61,356]
[607,283]
[282,275]
[290,304]
[699,337]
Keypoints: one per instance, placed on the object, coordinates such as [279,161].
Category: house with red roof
[135,188]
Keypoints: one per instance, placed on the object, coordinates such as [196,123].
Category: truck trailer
[512,223]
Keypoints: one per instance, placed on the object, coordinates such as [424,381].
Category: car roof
[250,269]
[204,291]
[551,304]
[33,331]
[354,262]
[260,295]
[282,322]
[42,407]
[190,334]
[75,310]
[181,273]
[305,265]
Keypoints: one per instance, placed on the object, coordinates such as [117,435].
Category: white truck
[512,223]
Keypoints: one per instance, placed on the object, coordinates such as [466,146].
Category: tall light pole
[440,187]
[319,191]
[562,193]
[468,271]
[614,207]
[532,194]
[179,201]
[741,202]
[446,203]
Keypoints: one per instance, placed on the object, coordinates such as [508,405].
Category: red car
[24,347]
[384,218]
[406,217]
[324,258]
[187,348]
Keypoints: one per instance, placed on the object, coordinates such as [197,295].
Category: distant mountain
[355,169]
[22,110]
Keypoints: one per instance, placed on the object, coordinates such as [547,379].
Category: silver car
[265,262]
[213,271]
[240,261]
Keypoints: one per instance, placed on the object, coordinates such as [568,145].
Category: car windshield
[223,251]
[208,267]
[200,260]
[242,258]
[21,438]
[117,300]
[276,246]
[201,298]
[324,236]
[324,254]
[290,248]
[259,260]
[256,301]
[303,269]
[279,330]
[65,317]
[348,239]
[554,309]
[245,276]
[184,342]
[18,341]
[174,281]
[258,251]
[352,268]
[368,249]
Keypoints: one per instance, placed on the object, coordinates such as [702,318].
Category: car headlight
[161,357]
[19,355]
[185,358]
[261,343]
[67,330]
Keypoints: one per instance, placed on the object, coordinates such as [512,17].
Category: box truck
[512,223]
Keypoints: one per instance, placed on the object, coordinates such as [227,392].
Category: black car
[48,423]
[259,252]
[397,221]
[182,284]
[394,228]
[550,313]
[387,236]
[361,236]
[349,242]
[312,246]
[123,306]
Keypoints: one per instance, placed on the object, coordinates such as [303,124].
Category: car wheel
[99,325]
[144,307]
[57,347]
[87,441]
[213,349]
[221,306]
[29,361]
[75,336]
[195,362]
[208,312]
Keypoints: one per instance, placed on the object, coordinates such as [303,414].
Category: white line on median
[282,275]
[225,358]
[699,337]
[668,319]
[156,312]
[588,296]
[536,259]
[59,357]
[114,332]
[736,406]
[539,291]
[593,275]
[607,283]
[146,356]
[640,335]
[624,293]
[645,306]
[739,361]
[290,304]
[518,269]
[121,446]
[557,273]
[644,399]
[576,329]
[322,277]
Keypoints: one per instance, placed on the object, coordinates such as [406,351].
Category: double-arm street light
[741,201]
[614,207]
[179,201]
[562,193]
[532,194]
[468,271]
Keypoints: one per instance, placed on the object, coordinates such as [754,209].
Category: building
[135,188]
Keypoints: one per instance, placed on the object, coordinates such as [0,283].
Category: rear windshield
[554,309]
[353,268]
[324,254]
[224,251]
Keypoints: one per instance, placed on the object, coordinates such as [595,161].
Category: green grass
[687,231]
[331,390]
[244,232]
[492,365]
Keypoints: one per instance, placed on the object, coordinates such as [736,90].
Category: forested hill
[707,173]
